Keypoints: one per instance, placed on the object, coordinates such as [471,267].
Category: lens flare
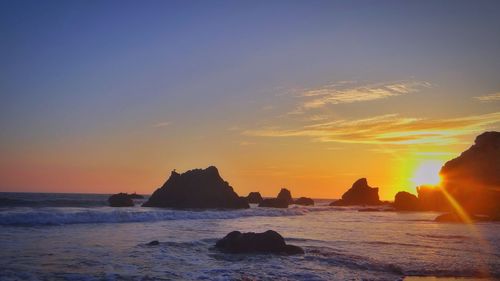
[427,173]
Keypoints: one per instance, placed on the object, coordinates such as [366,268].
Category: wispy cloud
[489,98]
[339,93]
[162,124]
[386,129]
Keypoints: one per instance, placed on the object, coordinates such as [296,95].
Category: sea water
[77,237]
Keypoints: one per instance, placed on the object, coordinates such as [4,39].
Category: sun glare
[427,173]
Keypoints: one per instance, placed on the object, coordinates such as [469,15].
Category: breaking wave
[23,216]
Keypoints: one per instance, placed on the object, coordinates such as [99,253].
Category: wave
[59,216]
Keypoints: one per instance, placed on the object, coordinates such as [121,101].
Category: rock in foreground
[359,194]
[266,242]
[120,200]
[196,189]
[304,201]
[274,203]
[254,198]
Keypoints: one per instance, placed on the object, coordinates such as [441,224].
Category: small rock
[304,201]
[274,203]
[153,243]
[266,242]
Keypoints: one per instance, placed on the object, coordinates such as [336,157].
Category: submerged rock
[405,201]
[453,217]
[153,243]
[120,200]
[254,198]
[304,201]
[266,242]
[359,194]
[286,195]
[274,203]
[196,188]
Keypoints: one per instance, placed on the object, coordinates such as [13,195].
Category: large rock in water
[286,195]
[405,201]
[267,242]
[473,178]
[254,198]
[120,200]
[359,194]
[274,203]
[196,188]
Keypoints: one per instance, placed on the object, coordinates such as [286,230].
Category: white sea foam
[58,216]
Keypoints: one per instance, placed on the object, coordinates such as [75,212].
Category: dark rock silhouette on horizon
[286,195]
[266,242]
[120,200]
[359,194]
[473,178]
[405,201]
[135,196]
[304,201]
[274,203]
[254,198]
[198,188]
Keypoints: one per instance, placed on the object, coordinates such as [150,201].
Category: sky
[111,96]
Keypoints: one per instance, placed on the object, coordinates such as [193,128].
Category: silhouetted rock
[432,198]
[274,203]
[405,201]
[135,196]
[120,200]
[359,194]
[286,195]
[473,178]
[304,201]
[254,198]
[153,243]
[267,242]
[196,188]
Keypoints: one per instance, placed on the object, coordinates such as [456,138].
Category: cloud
[386,129]
[489,98]
[339,93]
[162,124]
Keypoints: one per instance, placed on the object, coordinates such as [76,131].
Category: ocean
[78,237]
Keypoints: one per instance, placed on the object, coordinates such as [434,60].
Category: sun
[427,173]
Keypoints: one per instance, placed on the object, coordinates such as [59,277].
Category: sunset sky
[110,96]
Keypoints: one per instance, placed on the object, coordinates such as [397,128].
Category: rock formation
[120,200]
[254,198]
[473,178]
[359,194]
[266,242]
[196,188]
[405,201]
[136,196]
[304,201]
[274,203]
[286,195]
